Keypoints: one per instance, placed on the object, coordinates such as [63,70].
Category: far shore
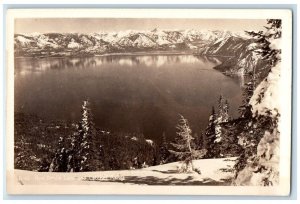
[112,54]
[143,53]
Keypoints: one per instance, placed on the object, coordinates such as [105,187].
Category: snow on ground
[213,172]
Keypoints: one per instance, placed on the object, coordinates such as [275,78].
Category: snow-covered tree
[259,164]
[85,148]
[226,111]
[223,108]
[25,158]
[184,147]
[60,161]
[268,52]
[210,134]
[221,117]
[267,39]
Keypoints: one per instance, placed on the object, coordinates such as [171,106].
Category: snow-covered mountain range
[237,47]
[73,44]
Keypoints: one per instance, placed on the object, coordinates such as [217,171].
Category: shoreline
[111,54]
[142,53]
[212,55]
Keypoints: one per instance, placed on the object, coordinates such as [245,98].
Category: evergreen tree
[222,117]
[184,150]
[268,53]
[85,147]
[226,111]
[24,156]
[201,141]
[246,109]
[223,108]
[60,160]
[210,134]
[163,150]
[45,165]
[198,141]
[220,106]
[263,39]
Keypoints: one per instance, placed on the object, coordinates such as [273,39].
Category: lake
[143,94]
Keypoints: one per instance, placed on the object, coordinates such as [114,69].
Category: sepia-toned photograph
[155,102]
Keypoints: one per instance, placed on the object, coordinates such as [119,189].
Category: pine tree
[210,134]
[246,109]
[85,148]
[221,117]
[163,150]
[220,106]
[45,165]
[184,150]
[202,141]
[223,108]
[226,111]
[265,50]
[24,156]
[60,160]
[263,39]
[198,141]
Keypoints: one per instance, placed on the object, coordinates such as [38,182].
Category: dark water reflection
[128,93]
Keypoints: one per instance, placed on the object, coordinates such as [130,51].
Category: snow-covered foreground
[213,172]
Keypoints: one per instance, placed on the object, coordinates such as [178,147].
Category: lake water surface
[142,94]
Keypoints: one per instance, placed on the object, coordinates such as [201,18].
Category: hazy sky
[89,25]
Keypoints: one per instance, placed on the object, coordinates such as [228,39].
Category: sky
[91,25]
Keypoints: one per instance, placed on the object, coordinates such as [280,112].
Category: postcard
[149,101]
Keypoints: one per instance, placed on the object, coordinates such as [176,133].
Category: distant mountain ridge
[73,44]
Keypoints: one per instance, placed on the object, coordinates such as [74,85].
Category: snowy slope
[213,172]
[243,60]
[22,40]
